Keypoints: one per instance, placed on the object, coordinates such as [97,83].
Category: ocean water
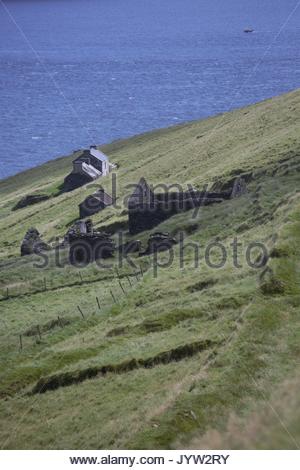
[79,72]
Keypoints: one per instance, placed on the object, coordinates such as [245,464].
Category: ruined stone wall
[148,214]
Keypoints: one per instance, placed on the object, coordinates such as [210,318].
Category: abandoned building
[32,243]
[87,244]
[94,203]
[146,209]
[80,227]
[89,166]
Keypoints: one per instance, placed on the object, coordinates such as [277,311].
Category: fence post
[81,312]
[122,287]
[111,292]
[39,331]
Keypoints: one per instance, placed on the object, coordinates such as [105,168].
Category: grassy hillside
[188,356]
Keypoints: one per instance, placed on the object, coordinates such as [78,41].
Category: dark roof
[99,196]
[94,153]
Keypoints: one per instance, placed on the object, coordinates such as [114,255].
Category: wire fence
[117,291]
[44,284]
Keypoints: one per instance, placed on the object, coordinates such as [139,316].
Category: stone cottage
[88,166]
[94,203]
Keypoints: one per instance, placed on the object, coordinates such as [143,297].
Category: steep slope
[148,356]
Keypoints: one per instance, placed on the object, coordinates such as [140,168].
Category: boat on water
[248,30]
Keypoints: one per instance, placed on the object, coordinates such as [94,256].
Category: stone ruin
[147,209]
[32,243]
[87,244]
[95,203]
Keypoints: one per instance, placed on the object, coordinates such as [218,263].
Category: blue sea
[81,72]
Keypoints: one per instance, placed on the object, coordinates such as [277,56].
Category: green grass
[159,389]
